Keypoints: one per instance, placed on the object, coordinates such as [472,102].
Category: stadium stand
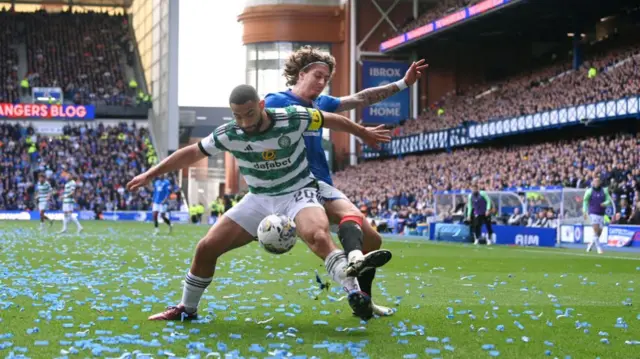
[82,53]
[86,54]
[569,163]
[552,87]
[105,157]
[9,82]
[438,10]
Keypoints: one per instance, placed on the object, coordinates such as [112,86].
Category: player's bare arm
[372,136]
[177,160]
[373,95]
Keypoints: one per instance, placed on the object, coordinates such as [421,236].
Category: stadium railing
[565,202]
[628,107]
[569,226]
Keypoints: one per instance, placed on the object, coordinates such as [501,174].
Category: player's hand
[487,214]
[603,205]
[138,182]
[415,72]
[373,136]
[585,216]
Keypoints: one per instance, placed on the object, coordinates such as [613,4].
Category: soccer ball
[277,234]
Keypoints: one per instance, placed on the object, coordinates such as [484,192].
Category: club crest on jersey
[284,141]
[269,155]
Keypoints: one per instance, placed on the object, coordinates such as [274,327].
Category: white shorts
[67,207]
[327,192]
[250,211]
[596,219]
[158,207]
[43,206]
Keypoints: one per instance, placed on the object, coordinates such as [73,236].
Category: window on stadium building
[265,63]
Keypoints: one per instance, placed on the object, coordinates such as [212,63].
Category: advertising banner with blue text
[393,109]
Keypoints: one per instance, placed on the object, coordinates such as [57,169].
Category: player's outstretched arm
[372,136]
[373,95]
[179,159]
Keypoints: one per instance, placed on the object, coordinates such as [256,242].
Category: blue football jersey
[313,139]
[161,190]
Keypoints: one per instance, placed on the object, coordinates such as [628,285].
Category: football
[277,234]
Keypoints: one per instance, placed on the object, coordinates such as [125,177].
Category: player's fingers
[133,185]
[420,62]
[382,138]
[381,129]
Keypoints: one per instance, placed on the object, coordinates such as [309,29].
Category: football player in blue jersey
[308,72]
[161,192]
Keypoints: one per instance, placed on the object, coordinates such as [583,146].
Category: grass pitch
[90,296]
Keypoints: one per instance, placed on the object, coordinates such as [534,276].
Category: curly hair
[303,57]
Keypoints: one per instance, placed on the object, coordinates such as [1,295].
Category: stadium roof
[544,20]
[112,3]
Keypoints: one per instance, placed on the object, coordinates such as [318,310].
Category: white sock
[193,289]
[65,219]
[355,254]
[590,245]
[75,220]
[336,262]
[596,241]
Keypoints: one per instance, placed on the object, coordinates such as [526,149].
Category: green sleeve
[607,197]
[487,199]
[469,206]
[585,201]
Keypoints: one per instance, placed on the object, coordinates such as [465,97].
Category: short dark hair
[243,94]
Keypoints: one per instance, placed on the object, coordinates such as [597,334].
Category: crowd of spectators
[105,157]
[9,82]
[84,54]
[439,10]
[553,87]
[409,182]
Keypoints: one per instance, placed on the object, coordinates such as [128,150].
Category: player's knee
[372,239]
[209,249]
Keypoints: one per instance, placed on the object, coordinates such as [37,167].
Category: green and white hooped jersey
[43,191]
[274,162]
[69,190]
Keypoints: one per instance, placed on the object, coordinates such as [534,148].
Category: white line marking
[525,249]
[592,255]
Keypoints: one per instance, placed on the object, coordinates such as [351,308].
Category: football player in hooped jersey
[268,146]
[43,192]
[309,71]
